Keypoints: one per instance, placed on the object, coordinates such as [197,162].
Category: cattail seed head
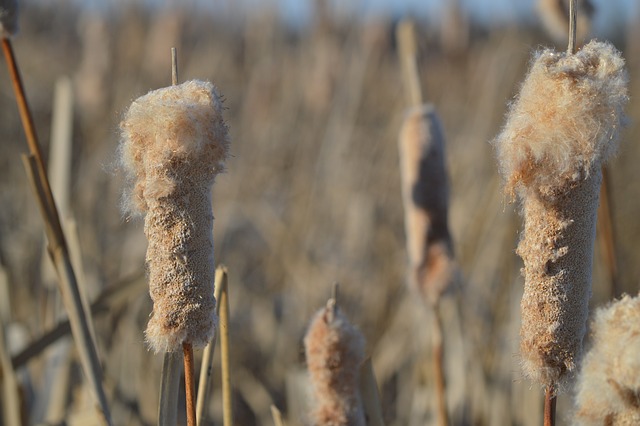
[561,128]
[8,18]
[174,141]
[334,350]
[608,388]
[425,193]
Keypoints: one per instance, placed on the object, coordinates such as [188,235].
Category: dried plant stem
[550,406]
[227,412]
[370,396]
[189,383]
[277,416]
[204,385]
[438,368]
[169,387]
[573,14]
[406,37]
[606,235]
[32,138]
[57,246]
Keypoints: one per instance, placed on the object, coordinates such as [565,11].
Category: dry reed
[608,388]
[561,128]
[554,15]
[173,143]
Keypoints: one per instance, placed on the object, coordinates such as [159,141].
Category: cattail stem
[189,383]
[32,139]
[573,14]
[408,48]
[227,408]
[550,406]
[438,368]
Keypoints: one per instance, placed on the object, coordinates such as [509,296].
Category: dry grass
[311,195]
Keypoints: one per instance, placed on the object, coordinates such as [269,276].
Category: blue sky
[610,12]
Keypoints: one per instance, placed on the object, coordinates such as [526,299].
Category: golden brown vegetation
[311,194]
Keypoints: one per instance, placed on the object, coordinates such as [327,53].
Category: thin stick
[174,66]
[572,27]
[189,383]
[406,37]
[550,406]
[207,358]
[227,412]
[438,368]
[32,140]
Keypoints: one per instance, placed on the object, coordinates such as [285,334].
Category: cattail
[334,350]
[558,132]
[554,15]
[425,193]
[8,18]
[608,389]
[173,143]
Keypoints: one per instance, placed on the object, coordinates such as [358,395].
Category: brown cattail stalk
[173,143]
[608,388]
[335,350]
[561,128]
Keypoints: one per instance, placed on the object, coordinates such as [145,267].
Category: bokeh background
[311,196]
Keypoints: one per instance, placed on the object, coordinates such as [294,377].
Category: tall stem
[550,406]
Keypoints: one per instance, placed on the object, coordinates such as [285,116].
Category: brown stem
[438,369]
[189,383]
[32,141]
[550,406]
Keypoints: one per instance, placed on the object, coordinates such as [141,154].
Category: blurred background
[311,195]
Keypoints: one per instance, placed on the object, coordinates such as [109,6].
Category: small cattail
[425,194]
[558,132]
[173,143]
[554,15]
[8,18]
[608,389]
[335,350]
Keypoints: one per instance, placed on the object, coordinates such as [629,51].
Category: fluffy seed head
[560,129]
[173,143]
[425,193]
[609,384]
[334,350]
[8,18]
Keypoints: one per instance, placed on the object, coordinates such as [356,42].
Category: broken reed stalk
[204,385]
[559,131]
[608,385]
[276,415]
[334,352]
[57,246]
